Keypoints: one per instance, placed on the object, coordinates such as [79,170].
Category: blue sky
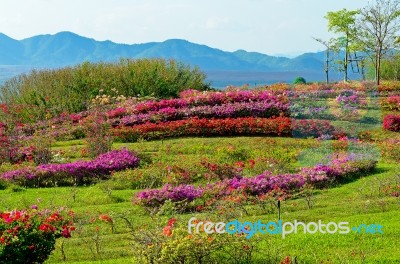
[267,26]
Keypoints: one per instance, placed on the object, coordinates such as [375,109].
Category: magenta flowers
[78,172]
[319,176]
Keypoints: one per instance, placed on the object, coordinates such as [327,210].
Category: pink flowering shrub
[319,176]
[78,172]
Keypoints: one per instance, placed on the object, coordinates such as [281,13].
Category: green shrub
[299,80]
[173,244]
[47,93]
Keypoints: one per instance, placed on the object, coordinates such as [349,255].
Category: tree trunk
[378,65]
[346,58]
[378,71]
[327,66]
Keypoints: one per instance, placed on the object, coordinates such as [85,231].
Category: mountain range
[67,48]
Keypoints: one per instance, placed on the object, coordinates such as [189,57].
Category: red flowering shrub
[312,128]
[11,149]
[29,236]
[392,123]
[205,127]
[281,126]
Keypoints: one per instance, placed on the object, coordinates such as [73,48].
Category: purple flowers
[158,196]
[258,185]
[76,172]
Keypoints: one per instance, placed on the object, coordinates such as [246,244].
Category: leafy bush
[392,190]
[392,123]
[97,130]
[51,92]
[391,149]
[29,236]
[392,103]
[40,147]
[299,80]
[172,244]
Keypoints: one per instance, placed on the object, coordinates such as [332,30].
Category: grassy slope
[357,202]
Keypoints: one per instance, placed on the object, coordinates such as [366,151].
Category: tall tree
[343,22]
[377,30]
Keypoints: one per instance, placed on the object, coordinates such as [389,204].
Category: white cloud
[217,22]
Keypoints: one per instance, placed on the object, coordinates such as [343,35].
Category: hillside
[296,175]
[67,48]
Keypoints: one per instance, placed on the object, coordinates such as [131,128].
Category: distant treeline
[51,92]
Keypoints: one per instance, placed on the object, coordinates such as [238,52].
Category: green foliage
[41,149]
[299,80]
[377,29]
[390,68]
[341,21]
[51,92]
[175,245]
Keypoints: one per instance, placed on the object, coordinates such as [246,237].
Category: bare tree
[377,27]
[327,44]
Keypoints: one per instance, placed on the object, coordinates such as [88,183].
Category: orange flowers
[105,218]
[167,230]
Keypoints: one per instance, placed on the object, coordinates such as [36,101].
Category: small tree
[378,26]
[343,22]
[97,126]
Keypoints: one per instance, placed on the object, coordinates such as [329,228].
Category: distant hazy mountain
[66,48]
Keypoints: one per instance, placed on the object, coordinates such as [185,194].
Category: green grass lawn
[360,201]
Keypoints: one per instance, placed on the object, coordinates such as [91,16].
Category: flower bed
[392,123]
[281,126]
[78,172]
[264,109]
[320,175]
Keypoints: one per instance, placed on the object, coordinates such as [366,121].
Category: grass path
[358,202]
